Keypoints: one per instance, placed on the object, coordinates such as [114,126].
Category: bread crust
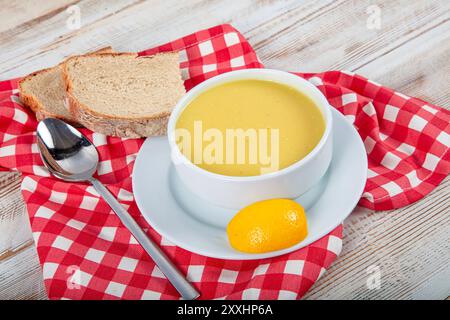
[123,126]
[120,127]
[32,102]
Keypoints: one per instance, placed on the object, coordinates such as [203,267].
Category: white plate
[174,212]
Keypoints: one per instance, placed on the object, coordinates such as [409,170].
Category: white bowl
[237,192]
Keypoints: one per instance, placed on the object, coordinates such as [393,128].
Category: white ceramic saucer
[178,215]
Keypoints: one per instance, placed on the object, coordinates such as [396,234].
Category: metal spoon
[68,155]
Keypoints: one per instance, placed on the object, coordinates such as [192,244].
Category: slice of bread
[44,92]
[122,94]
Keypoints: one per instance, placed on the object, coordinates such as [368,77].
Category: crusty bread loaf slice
[122,94]
[44,92]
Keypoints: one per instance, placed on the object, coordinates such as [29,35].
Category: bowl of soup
[251,135]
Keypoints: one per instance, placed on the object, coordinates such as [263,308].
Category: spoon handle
[186,290]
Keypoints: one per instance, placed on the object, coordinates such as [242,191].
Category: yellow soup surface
[248,128]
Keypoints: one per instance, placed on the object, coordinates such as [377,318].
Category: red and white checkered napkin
[86,253]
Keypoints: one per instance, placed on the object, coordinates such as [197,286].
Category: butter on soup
[248,128]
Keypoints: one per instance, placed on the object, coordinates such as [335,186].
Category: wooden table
[409,50]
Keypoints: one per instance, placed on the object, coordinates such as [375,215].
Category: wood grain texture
[410,246]
[410,52]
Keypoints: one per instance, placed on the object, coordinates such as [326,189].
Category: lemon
[267,225]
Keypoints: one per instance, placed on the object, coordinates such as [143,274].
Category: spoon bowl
[68,154]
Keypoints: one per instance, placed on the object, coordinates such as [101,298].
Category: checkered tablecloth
[86,253]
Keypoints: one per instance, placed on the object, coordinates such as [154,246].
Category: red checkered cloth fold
[85,251]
